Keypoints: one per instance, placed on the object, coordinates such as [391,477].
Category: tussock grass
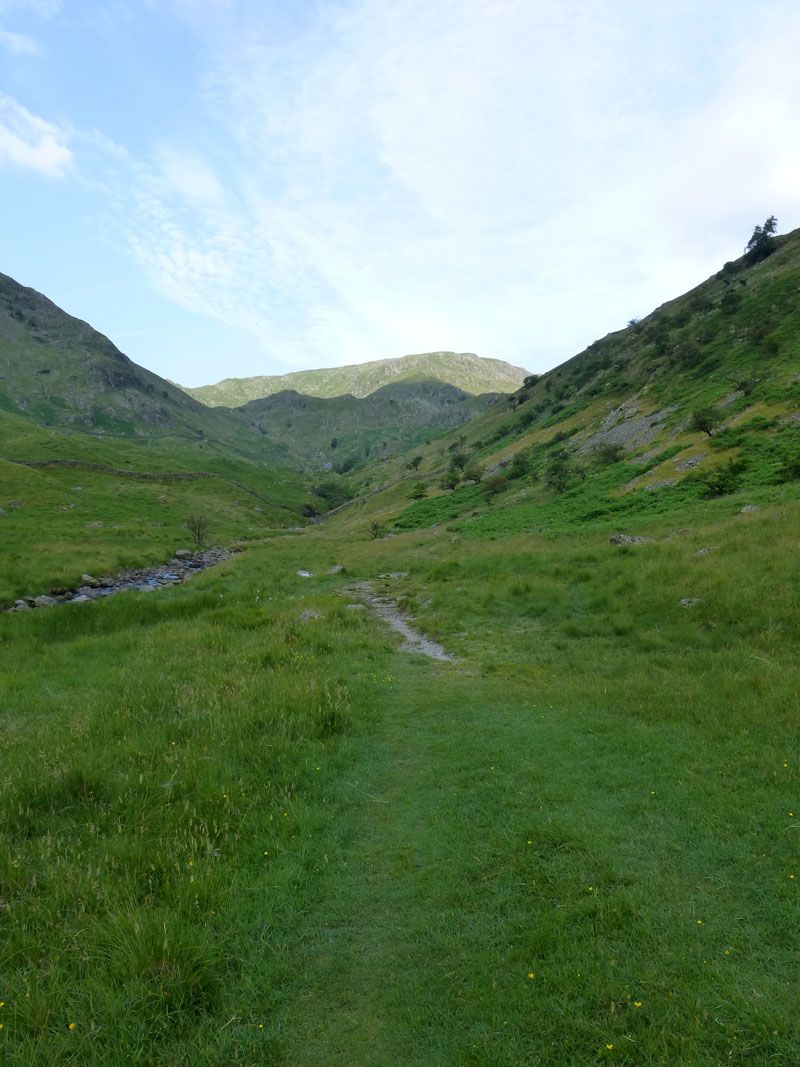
[233,836]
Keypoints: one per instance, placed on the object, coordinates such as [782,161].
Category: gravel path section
[386,609]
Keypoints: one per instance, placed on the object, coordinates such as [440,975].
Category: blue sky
[238,187]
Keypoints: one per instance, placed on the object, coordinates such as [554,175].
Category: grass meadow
[232,836]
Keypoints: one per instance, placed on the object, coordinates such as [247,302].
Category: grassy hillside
[58,371]
[470,373]
[698,401]
[140,494]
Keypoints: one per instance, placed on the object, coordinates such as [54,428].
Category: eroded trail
[386,608]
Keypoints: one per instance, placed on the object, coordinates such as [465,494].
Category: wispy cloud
[19,43]
[508,176]
[42,8]
[30,142]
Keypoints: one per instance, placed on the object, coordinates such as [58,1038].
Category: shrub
[789,470]
[608,452]
[722,479]
[494,485]
[473,473]
[520,465]
[198,526]
[558,472]
[706,419]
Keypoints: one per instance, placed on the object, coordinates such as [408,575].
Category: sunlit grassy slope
[619,419]
[232,835]
[466,371]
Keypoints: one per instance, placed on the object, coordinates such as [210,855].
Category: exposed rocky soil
[386,608]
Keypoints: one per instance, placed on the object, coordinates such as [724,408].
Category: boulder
[309,614]
[338,569]
[627,539]
[304,574]
[87,579]
[89,593]
[183,553]
[44,601]
[96,525]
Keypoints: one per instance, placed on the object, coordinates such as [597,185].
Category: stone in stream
[89,592]
[183,553]
[44,602]
[87,579]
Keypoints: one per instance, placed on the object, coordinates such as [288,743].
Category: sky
[236,187]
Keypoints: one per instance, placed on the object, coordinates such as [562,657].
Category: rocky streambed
[182,566]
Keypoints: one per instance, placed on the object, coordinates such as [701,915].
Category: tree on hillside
[706,419]
[413,464]
[558,472]
[760,244]
[494,485]
[198,525]
[473,472]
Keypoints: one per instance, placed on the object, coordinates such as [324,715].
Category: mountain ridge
[466,371]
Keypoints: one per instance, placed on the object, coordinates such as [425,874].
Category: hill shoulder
[464,370]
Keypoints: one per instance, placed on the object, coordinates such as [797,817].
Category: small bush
[198,526]
[722,479]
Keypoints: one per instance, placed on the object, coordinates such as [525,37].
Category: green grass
[233,837]
[47,542]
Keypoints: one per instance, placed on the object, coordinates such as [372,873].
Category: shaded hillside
[699,400]
[470,373]
[59,371]
[73,502]
[346,431]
